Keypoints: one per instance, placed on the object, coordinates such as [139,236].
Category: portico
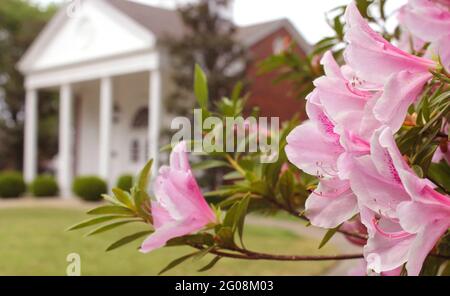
[94,60]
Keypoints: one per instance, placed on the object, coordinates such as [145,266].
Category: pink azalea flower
[332,203]
[404,215]
[314,146]
[375,179]
[362,270]
[426,19]
[402,74]
[355,226]
[427,216]
[442,154]
[388,244]
[180,208]
[372,57]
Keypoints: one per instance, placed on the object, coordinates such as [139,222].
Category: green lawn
[33,242]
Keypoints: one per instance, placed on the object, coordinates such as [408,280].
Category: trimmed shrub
[12,184]
[89,188]
[44,186]
[125,182]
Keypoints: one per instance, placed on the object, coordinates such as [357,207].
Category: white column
[30,137]
[65,141]
[155,97]
[106,110]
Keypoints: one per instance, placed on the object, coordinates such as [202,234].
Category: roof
[157,20]
[161,22]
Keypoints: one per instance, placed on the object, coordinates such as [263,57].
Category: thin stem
[250,255]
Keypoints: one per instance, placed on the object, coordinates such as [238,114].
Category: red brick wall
[272,99]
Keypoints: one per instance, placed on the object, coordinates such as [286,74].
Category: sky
[307,15]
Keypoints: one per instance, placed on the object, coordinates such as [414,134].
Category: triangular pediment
[95,31]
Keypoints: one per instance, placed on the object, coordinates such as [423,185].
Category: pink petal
[401,90]
[169,231]
[311,151]
[423,244]
[371,56]
[384,253]
[331,204]
[374,190]
[426,19]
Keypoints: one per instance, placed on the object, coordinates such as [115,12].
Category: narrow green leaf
[226,237]
[123,197]
[210,264]
[330,233]
[128,239]
[108,210]
[142,202]
[144,176]
[177,262]
[440,174]
[230,217]
[111,226]
[241,214]
[94,221]
[201,87]
[209,164]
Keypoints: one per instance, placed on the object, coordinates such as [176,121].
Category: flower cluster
[349,142]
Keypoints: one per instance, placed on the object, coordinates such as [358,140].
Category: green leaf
[142,202]
[210,264]
[240,216]
[123,197]
[177,262]
[94,221]
[226,237]
[144,176]
[440,174]
[111,210]
[201,87]
[209,164]
[446,270]
[330,233]
[111,226]
[128,239]
[418,170]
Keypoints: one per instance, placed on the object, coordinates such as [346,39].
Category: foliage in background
[89,188]
[209,40]
[44,186]
[20,22]
[301,71]
[12,184]
[125,182]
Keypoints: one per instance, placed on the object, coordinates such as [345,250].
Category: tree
[210,41]
[20,22]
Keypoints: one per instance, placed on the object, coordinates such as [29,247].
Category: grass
[33,242]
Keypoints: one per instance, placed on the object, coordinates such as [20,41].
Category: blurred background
[88,90]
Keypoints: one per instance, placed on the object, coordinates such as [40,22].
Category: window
[134,151]
[140,119]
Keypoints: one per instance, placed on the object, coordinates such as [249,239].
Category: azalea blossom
[427,216]
[426,19]
[340,122]
[180,208]
[429,20]
[402,74]
[404,215]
